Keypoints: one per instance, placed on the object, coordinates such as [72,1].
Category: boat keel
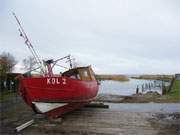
[57,112]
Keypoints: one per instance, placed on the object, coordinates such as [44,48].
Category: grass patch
[175,90]
[6,94]
[174,93]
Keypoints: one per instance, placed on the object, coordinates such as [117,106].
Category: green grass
[174,93]
[6,95]
[175,90]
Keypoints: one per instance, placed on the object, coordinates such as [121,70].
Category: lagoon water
[146,107]
[124,88]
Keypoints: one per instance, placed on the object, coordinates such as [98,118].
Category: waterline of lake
[124,88]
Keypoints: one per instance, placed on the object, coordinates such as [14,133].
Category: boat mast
[69,59]
[31,48]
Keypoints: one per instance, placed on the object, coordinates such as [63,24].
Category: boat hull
[70,93]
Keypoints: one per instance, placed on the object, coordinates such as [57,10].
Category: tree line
[7,66]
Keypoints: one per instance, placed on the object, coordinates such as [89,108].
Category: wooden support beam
[96,105]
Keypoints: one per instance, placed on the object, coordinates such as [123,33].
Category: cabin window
[84,73]
[92,74]
[72,74]
[78,76]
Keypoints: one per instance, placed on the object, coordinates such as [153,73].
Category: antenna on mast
[28,43]
[70,61]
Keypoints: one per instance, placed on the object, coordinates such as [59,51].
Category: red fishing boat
[57,94]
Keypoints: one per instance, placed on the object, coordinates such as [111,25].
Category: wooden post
[137,90]
[149,86]
[163,89]
[142,88]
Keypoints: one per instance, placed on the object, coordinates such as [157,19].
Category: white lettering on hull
[54,81]
[48,80]
[57,81]
[64,81]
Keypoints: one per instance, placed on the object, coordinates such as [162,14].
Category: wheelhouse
[80,73]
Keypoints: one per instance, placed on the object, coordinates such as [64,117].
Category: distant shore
[154,77]
[112,77]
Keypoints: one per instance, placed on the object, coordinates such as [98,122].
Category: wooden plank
[25,125]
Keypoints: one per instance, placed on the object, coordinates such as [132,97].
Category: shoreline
[104,77]
[154,77]
[144,98]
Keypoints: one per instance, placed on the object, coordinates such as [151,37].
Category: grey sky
[114,36]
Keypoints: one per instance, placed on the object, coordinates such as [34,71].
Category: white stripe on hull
[43,107]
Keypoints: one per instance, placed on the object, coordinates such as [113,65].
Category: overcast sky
[114,36]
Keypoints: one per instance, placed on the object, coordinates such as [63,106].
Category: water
[129,88]
[124,88]
[146,107]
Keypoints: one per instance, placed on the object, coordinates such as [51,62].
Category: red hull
[74,92]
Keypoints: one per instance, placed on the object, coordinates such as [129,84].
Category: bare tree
[29,63]
[7,62]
